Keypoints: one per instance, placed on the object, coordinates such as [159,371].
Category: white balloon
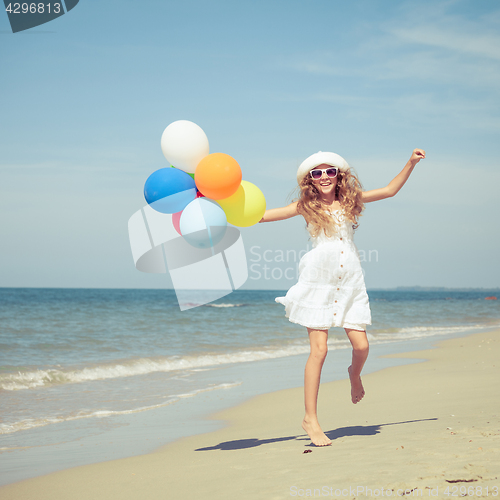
[184,145]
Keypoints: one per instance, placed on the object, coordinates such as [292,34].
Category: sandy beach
[429,429]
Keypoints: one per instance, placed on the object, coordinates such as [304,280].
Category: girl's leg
[312,375]
[360,349]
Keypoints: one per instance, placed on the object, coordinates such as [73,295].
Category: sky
[85,98]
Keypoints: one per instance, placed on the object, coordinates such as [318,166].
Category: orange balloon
[218,176]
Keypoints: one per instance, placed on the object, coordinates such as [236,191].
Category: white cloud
[433,30]
[454,34]
[445,67]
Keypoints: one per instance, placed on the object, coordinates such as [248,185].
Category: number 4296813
[33,8]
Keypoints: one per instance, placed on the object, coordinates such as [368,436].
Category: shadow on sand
[355,430]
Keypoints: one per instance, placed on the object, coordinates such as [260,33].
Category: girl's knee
[358,339]
[319,351]
[318,340]
[361,347]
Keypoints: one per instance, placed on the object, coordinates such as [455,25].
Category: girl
[331,290]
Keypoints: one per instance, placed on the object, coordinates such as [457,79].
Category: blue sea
[90,375]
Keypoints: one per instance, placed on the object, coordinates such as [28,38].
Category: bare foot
[357,391]
[318,437]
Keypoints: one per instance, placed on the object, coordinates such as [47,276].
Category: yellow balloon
[245,207]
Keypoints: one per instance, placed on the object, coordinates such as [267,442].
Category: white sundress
[331,289]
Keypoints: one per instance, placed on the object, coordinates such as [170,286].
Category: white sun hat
[321,158]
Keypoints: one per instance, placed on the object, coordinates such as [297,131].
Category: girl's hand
[418,154]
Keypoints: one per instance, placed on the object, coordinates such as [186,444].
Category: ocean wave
[201,304]
[32,379]
[419,332]
[144,366]
[31,423]
[224,305]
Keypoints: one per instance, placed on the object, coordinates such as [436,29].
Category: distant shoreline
[392,289]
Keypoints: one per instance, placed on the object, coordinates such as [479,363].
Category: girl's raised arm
[280,213]
[397,183]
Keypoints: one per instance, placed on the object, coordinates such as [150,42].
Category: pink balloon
[176,219]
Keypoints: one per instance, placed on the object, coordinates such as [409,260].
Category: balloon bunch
[202,191]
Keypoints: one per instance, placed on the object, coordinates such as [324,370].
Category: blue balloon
[169,190]
[203,223]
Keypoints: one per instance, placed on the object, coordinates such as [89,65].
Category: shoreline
[420,425]
[63,445]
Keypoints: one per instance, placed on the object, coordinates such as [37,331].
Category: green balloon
[192,175]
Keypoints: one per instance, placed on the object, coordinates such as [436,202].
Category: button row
[340,277]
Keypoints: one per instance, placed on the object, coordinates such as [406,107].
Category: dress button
[336,301]
[338,288]
[340,277]
[340,239]
[335,314]
[342,252]
[341,265]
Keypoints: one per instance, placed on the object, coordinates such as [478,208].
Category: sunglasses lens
[330,172]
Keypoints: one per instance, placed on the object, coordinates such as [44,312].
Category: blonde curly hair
[348,192]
